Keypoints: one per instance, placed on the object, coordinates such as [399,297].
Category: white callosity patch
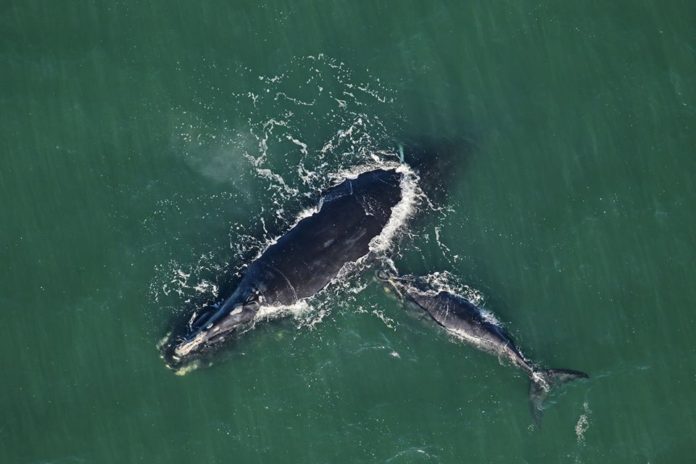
[186,348]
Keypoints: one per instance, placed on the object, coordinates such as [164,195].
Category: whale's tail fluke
[542,381]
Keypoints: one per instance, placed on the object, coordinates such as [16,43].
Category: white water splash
[447,282]
[279,151]
[583,423]
[301,311]
[410,193]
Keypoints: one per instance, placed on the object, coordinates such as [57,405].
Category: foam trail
[583,423]
[279,152]
[401,212]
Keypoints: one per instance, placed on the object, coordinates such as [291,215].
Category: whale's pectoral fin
[542,382]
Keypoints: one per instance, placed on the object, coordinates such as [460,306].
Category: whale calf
[466,321]
[301,262]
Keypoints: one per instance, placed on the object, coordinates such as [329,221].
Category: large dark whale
[467,322]
[301,262]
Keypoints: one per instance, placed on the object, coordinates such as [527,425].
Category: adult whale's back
[302,261]
[311,254]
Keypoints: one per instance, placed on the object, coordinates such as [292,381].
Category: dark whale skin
[302,261]
[310,255]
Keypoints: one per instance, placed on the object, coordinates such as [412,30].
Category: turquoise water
[148,150]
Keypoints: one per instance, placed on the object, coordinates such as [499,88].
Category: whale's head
[207,332]
[407,289]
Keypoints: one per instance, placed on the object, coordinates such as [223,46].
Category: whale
[340,230]
[469,323]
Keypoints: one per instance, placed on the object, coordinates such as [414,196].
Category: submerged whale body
[466,321]
[302,261]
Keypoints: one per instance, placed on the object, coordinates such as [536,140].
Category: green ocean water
[149,149]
